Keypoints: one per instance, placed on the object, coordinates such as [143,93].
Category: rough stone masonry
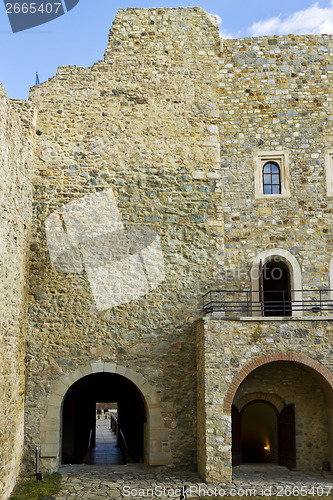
[17,137]
[173,128]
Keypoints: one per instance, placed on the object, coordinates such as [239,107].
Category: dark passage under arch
[260,434]
[79,415]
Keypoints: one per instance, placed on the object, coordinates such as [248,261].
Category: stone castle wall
[144,124]
[168,130]
[276,95]
[16,162]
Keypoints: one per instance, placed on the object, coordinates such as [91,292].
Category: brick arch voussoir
[301,359]
[274,399]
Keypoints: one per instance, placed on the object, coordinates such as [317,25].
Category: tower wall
[276,95]
[275,105]
[142,124]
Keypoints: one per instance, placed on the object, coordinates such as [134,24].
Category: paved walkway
[105,451]
[134,481]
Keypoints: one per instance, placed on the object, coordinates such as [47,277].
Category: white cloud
[227,34]
[223,33]
[313,20]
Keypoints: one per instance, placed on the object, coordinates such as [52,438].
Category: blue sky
[80,36]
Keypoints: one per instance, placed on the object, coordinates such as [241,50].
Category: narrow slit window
[271,178]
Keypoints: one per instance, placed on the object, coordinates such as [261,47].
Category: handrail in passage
[121,440]
[86,457]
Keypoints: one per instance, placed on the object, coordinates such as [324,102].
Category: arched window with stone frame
[271,178]
[271,174]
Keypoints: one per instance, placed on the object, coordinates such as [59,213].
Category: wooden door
[286,437]
[236,436]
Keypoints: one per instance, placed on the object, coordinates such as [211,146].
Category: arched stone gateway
[281,408]
[261,361]
[156,438]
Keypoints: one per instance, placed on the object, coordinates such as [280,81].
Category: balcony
[281,303]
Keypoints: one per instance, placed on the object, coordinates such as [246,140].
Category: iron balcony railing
[238,303]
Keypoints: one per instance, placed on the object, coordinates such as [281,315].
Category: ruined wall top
[179,33]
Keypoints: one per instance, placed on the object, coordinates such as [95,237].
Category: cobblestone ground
[134,481]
